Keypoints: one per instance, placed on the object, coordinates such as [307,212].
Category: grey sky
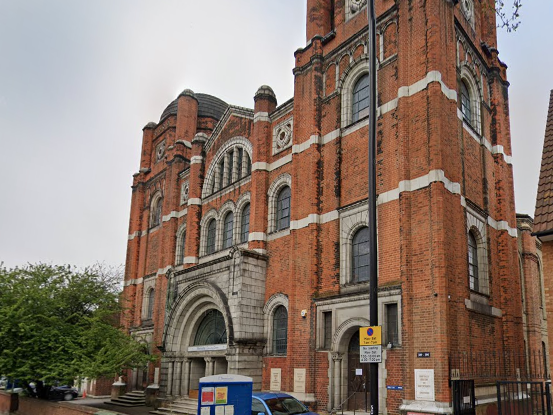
[79,80]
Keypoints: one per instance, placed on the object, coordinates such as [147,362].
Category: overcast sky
[79,80]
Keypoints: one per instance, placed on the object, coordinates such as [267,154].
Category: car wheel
[68,397]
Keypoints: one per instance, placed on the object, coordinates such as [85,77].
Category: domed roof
[208,106]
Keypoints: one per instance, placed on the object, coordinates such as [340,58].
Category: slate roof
[543,216]
[208,106]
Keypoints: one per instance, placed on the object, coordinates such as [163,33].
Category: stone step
[181,406]
[130,399]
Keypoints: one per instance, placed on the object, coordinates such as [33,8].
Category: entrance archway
[358,376]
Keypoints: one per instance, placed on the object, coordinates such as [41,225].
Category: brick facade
[444,174]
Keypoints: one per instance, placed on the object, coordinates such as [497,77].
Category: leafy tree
[58,324]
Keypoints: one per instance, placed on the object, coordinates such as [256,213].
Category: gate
[463,397]
[523,398]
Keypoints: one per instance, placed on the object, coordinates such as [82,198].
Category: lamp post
[373,254]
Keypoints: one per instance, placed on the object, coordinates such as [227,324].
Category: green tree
[58,323]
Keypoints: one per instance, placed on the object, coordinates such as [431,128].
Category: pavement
[100,404]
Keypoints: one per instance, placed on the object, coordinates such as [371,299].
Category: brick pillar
[194,216]
[319,18]
[265,103]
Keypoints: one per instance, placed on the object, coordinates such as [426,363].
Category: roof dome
[208,106]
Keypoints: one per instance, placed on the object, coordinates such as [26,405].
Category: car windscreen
[285,406]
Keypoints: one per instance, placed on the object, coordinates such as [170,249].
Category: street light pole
[373,254]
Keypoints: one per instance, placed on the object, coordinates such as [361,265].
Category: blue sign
[394,388]
[225,395]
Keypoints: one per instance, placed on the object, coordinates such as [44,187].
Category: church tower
[248,251]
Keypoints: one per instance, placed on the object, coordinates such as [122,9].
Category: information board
[370,354]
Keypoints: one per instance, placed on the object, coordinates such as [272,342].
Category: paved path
[99,403]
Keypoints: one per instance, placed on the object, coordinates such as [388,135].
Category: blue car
[276,403]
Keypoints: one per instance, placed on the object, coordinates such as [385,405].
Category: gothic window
[280,330]
[227,230]
[179,251]
[360,256]
[465,103]
[283,209]
[211,232]
[245,224]
[212,329]
[150,305]
[360,100]
[473,262]
[231,164]
[155,211]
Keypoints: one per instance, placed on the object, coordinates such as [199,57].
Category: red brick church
[247,246]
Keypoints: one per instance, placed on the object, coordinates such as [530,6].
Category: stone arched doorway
[358,377]
[348,385]
[196,340]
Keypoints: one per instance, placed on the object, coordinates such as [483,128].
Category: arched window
[360,99]
[227,230]
[211,231]
[280,330]
[245,224]
[466,109]
[150,305]
[179,256]
[155,212]
[473,262]
[283,209]
[212,329]
[360,256]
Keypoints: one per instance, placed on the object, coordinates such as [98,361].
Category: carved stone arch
[274,301]
[342,335]
[238,141]
[348,80]
[187,313]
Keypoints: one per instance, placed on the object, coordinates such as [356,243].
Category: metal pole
[373,254]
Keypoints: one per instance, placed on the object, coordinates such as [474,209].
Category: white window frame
[281,181]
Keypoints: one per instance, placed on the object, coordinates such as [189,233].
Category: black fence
[523,398]
[498,366]
[464,402]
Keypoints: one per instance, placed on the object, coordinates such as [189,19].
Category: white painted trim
[257,236]
[133,282]
[278,235]
[260,251]
[134,235]
[174,214]
[260,165]
[194,201]
[196,160]
[261,116]
[190,260]
[184,142]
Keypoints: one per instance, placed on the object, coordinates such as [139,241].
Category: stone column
[226,172]
[170,378]
[209,364]
[186,377]
[337,375]
[235,164]
[178,378]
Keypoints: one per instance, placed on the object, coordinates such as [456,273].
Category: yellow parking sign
[370,336]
